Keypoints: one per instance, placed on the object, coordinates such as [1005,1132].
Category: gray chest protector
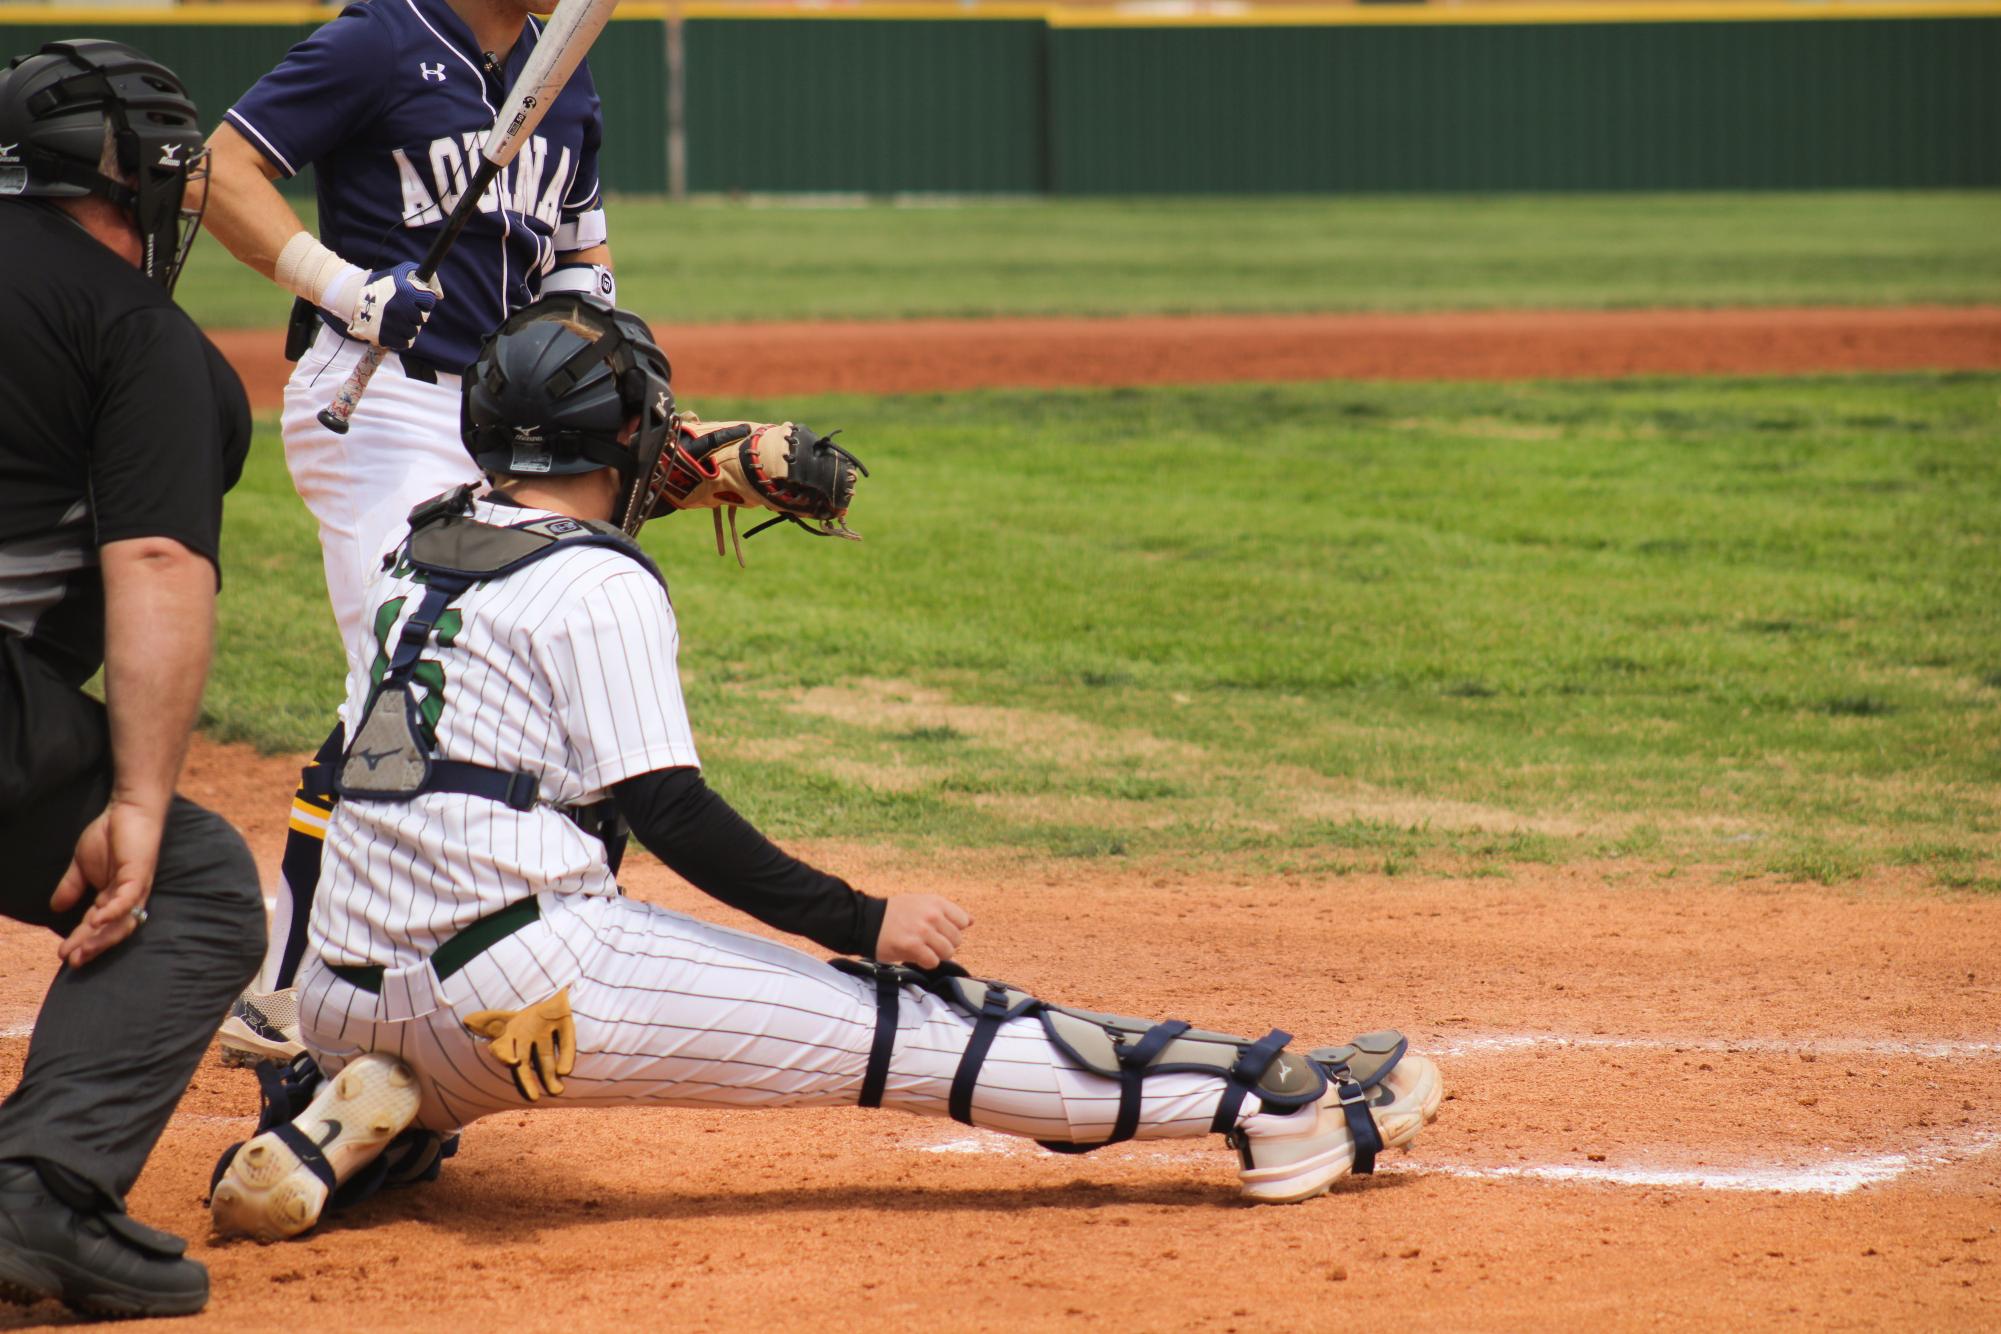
[390,758]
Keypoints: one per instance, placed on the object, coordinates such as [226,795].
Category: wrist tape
[316,273]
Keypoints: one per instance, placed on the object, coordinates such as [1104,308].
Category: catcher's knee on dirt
[1129,1050]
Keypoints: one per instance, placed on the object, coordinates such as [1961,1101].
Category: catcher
[469,952]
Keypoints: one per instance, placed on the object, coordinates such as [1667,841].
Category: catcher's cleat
[276,1185]
[1299,1155]
[262,1026]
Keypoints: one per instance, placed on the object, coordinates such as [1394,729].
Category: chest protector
[392,755]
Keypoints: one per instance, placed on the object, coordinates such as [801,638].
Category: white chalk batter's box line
[1838,1175]
[1830,1176]
[1502,1044]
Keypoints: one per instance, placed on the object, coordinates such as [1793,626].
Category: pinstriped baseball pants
[678,1012]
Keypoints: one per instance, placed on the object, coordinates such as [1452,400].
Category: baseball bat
[569,33]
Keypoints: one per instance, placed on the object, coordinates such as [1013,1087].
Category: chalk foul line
[1828,1176]
[1501,1044]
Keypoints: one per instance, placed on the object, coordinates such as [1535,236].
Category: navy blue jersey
[389,103]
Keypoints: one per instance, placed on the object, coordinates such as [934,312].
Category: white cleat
[277,1184]
[1295,1157]
[262,1026]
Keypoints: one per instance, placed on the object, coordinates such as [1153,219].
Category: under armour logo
[367,304]
[432,73]
[170,155]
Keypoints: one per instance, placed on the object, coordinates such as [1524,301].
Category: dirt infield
[1675,1104]
[924,355]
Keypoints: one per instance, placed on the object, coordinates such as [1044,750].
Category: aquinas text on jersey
[532,189]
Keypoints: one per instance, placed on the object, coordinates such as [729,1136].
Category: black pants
[117,1040]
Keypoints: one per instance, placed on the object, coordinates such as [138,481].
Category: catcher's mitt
[801,477]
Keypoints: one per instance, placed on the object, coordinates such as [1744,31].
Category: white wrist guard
[593,280]
[320,276]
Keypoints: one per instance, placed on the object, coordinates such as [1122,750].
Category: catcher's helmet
[55,107]
[554,388]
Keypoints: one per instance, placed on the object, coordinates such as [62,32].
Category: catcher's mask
[55,109]
[553,390]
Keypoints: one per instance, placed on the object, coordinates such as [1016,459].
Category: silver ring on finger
[138,916]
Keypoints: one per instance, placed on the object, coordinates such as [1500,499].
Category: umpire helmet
[553,390]
[56,107]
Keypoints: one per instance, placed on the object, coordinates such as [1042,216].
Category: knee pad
[1123,1048]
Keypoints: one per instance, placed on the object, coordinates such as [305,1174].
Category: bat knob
[338,425]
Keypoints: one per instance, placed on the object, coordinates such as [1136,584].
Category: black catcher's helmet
[553,389]
[54,108]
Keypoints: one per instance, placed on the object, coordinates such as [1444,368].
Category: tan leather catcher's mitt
[801,477]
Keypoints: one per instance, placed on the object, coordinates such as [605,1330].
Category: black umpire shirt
[118,419]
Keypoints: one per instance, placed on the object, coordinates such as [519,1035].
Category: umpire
[120,429]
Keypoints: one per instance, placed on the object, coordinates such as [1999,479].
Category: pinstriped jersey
[565,670]
[389,104]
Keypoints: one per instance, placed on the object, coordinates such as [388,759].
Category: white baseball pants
[674,1011]
[401,448]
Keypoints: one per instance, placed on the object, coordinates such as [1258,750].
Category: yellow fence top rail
[1145,14]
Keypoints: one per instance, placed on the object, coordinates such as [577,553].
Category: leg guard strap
[1354,1100]
[309,1153]
[995,1010]
[886,991]
[1244,1076]
[1134,1058]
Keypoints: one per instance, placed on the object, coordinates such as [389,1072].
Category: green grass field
[721,261]
[1749,626]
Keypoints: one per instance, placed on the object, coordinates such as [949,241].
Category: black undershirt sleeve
[703,840]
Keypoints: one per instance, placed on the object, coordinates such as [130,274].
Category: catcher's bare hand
[116,856]
[921,929]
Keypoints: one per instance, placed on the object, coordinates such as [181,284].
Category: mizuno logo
[527,435]
[7,152]
[170,155]
[432,73]
[371,758]
[660,403]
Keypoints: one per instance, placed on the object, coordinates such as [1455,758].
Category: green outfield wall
[1072,101]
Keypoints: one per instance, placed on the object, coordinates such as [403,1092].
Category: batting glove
[392,306]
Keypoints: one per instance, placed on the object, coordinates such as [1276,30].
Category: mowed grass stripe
[1742,624]
[739,261]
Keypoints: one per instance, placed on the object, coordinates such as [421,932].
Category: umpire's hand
[920,929]
[115,857]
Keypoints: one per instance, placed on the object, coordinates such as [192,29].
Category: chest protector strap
[390,758]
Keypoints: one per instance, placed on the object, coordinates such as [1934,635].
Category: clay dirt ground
[1676,1102]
